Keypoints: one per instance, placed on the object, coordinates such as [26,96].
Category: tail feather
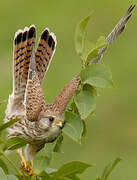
[17,59]
[45,51]
[23,47]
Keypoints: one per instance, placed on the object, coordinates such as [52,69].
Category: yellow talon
[24,164]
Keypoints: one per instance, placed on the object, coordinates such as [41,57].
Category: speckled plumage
[27,99]
[40,122]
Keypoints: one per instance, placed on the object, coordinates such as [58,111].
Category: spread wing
[23,45]
[60,102]
[29,68]
[67,92]
[118,29]
[22,51]
[34,97]
[44,53]
[40,61]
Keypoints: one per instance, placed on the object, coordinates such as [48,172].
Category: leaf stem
[12,164]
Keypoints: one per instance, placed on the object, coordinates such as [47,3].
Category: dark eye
[51,119]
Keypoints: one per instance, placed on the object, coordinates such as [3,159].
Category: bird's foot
[25,166]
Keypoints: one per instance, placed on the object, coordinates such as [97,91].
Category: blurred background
[112,132]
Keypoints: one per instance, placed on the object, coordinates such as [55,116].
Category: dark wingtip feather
[131,8]
[53,45]
[45,35]
[15,41]
[18,39]
[32,32]
[50,40]
[122,29]
[24,37]
[128,17]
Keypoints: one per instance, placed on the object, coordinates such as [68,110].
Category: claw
[25,165]
[26,168]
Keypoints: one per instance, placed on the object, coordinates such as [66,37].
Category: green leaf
[44,175]
[71,168]
[26,178]
[80,35]
[8,124]
[108,169]
[94,53]
[2,175]
[58,145]
[94,50]
[3,166]
[40,163]
[52,147]
[53,178]
[97,75]
[73,177]
[100,41]
[73,108]
[49,148]
[91,89]
[15,143]
[73,126]
[12,177]
[46,178]
[50,170]
[87,48]
[85,102]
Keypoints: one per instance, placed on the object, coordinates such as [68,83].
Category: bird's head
[51,121]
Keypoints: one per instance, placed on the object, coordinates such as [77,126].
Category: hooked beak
[59,123]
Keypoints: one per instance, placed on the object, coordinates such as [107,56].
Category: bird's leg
[23,160]
[24,164]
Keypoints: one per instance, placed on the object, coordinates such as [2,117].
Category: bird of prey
[40,122]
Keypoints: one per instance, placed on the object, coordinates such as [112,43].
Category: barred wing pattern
[67,92]
[40,122]
[22,50]
[23,45]
[34,99]
[118,29]
[23,54]
[45,51]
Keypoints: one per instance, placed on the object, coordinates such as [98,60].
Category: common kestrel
[41,122]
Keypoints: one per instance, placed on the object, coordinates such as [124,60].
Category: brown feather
[62,99]
[22,54]
[45,52]
[34,99]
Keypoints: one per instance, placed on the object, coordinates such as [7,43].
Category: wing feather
[60,102]
[23,45]
[118,29]
[45,51]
